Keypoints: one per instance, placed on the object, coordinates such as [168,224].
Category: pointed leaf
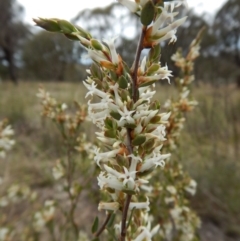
[115,115]
[123,83]
[111,220]
[139,140]
[147,13]
[95,225]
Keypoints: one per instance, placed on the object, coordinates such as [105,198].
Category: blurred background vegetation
[27,53]
[210,146]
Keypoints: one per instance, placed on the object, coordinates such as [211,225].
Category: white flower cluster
[43,217]
[17,193]
[118,116]
[163,27]
[5,234]
[6,142]
[131,126]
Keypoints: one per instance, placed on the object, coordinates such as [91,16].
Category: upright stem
[136,64]
[124,217]
[98,233]
[129,138]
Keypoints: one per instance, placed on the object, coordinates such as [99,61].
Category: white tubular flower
[131,5]
[109,181]
[111,206]
[93,90]
[162,73]
[143,64]
[156,160]
[97,56]
[134,161]
[6,143]
[156,33]
[191,188]
[118,100]
[38,221]
[128,176]
[58,170]
[162,19]
[105,140]
[178,3]
[167,32]
[126,116]
[105,156]
[140,205]
[146,233]
[4,232]
[113,52]
[171,189]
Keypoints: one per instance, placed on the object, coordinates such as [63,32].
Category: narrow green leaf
[150,82]
[111,220]
[95,225]
[153,68]
[130,217]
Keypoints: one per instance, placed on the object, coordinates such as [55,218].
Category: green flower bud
[96,44]
[50,25]
[66,27]
[71,36]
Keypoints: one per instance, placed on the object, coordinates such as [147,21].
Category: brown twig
[124,217]
[98,233]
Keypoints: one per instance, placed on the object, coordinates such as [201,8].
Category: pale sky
[67,9]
